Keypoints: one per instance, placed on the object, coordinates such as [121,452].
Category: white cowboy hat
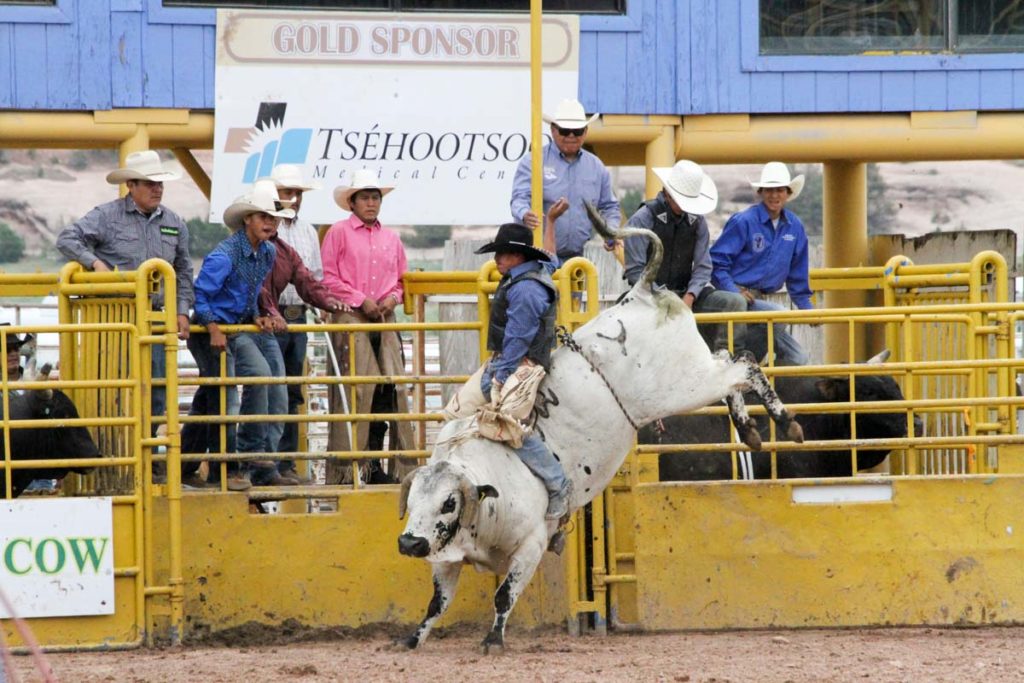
[691,188]
[144,165]
[776,174]
[261,199]
[363,179]
[570,114]
[289,176]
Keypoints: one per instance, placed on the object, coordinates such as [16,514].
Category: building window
[574,6]
[830,27]
[33,3]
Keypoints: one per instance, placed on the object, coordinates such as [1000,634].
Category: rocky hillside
[41,191]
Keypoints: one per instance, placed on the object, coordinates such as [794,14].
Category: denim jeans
[716,335]
[787,349]
[534,453]
[293,351]
[203,438]
[258,355]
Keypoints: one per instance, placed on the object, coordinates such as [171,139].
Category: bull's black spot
[448,506]
[586,468]
[556,456]
[445,532]
[503,598]
[436,602]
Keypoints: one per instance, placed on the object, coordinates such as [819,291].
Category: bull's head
[440,500]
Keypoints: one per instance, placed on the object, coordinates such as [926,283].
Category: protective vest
[679,237]
[540,348]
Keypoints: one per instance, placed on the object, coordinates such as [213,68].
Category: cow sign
[474,502]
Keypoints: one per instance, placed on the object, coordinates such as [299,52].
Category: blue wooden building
[842,82]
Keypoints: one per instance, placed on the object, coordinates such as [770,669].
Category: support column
[659,152]
[138,141]
[845,199]
[195,171]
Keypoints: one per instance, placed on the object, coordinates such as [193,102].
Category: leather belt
[293,312]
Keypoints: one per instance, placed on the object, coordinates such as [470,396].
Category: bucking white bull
[475,502]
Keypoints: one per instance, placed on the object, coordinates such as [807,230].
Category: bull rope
[565,336]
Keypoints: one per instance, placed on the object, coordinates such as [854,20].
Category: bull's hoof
[795,432]
[404,644]
[557,542]
[751,437]
[493,644]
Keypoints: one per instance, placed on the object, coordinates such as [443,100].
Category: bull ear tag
[486,491]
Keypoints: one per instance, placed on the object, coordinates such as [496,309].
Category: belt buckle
[293,311]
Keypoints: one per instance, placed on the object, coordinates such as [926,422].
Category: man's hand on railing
[265,323]
[277,323]
[183,325]
[218,341]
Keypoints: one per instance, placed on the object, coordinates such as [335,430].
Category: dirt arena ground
[992,655]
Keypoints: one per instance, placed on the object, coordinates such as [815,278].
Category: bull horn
[403,495]
[601,226]
[44,375]
[880,358]
[470,502]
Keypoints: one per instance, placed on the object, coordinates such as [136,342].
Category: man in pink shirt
[363,267]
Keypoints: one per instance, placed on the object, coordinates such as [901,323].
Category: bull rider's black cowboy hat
[515,238]
[14,342]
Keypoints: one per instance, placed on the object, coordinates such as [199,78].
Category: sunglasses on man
[566,132]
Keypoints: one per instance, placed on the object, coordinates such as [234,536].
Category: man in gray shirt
[125,232]
[676,216]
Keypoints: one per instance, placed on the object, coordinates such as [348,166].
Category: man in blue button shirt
[572,173]
[227,293]
[761,249]
[522,330]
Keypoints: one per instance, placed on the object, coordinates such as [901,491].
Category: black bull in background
[714,465]
[45,443]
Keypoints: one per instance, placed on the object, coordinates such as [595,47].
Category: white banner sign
[57,557]
[438,106]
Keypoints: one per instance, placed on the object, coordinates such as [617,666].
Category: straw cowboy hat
[691,188]
[261,199]
[144,165]
[289,176]
[775,174]
[516,238]
[570,114]
[363,179]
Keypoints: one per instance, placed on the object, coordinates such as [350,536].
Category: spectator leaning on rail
[570,172]
[761,249]
[303,239]
[363,266]
[676,216]
[227,293]
[289,272]
[125,232]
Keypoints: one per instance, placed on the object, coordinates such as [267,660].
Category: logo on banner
[268,142]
